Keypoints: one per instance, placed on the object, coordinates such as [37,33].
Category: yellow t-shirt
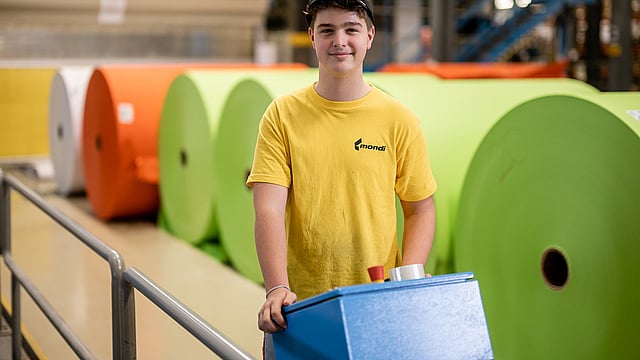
[343,163]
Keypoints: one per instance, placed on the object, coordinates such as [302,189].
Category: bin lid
[375,287]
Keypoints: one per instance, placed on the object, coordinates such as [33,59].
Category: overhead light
[523,3]
[503,4]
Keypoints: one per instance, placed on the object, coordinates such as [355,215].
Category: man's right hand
[270,317]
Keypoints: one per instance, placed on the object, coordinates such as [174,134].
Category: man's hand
[270,317]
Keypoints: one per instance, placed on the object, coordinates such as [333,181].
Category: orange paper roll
[119,138]
[123,107]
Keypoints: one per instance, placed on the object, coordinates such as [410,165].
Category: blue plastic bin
[439,317]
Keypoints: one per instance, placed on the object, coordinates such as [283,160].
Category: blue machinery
[488,43]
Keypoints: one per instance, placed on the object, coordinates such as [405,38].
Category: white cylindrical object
[407,272]
[66,111]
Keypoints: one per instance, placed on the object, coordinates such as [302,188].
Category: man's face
[340,39]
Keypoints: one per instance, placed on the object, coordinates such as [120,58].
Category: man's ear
[371,34]
[311,37]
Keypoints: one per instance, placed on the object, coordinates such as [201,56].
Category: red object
[502,70]
[376,273]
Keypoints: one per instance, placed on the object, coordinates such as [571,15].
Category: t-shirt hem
[266,179]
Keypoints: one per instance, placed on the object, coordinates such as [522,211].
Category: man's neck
[342,88]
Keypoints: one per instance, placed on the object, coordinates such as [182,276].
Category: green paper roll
[188,130]
[410,89]
[215,250]
[206,140]
[233,157]
[455,115]
[548,223]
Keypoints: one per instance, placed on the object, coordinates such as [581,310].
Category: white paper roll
[66,109]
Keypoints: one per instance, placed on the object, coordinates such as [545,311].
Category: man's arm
[419,230]
[271,245]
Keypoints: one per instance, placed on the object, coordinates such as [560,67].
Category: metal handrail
[123,280]
[198,327]
[122,317]
[18,278]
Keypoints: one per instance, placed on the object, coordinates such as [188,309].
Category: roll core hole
[555,269]
[60,131]
[98,143]
[183,157]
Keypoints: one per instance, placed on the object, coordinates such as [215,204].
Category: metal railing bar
[123,280]
[122,318]
[99,247]
[56,320]
[188,319]
[26,346]
[16,318]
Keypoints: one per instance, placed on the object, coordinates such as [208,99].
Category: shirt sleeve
[271,160]
[415,180]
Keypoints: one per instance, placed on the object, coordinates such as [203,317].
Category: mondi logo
[359,145]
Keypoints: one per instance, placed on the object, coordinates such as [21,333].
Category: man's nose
[340,39]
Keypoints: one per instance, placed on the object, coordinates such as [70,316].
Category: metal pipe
[126,301]
[20,278]
[5,214]
[122,284]
[16,331]
[441,15]
[197,326]
[121,333]
[106,252]
[5,249]
[620,57]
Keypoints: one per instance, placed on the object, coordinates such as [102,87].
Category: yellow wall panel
[24,100]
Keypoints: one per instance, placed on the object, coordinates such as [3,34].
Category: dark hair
[362,7]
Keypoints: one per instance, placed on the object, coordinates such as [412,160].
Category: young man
[329,161]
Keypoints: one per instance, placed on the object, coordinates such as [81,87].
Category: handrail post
[123,312]
[16,331]
[5,248]
[5,219]
[194,324]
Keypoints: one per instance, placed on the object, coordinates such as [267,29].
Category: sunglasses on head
[362,3]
